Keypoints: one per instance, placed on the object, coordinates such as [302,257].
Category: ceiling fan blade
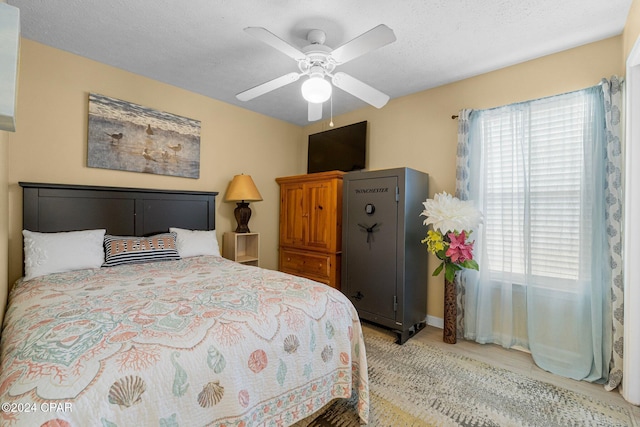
[360,90]
[274,41]
[315,111]
[268,86]
[373,39]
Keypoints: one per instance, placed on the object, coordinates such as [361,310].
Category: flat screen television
[342,149]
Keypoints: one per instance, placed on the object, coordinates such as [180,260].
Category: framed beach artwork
[130,137]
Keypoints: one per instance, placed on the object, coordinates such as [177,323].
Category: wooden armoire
[311,226]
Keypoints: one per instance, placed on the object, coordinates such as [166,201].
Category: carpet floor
[417,384]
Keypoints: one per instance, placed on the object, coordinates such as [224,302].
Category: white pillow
[46,253]
[196,242]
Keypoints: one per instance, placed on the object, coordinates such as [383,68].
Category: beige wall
[417,131]
[51,142]
[631,30]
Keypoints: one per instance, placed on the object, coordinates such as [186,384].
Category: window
[534,179]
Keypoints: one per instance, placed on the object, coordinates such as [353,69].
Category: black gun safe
[384,263]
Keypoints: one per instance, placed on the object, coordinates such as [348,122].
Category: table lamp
[242,190]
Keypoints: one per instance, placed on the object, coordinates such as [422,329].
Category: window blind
[534,163]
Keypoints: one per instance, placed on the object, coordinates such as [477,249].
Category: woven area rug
[421,385]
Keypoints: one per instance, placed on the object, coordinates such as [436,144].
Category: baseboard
[437,322]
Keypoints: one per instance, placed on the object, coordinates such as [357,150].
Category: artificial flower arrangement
[452,221]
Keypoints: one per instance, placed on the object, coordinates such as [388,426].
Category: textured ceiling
[200,45]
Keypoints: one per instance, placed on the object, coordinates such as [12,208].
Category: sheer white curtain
[537,172]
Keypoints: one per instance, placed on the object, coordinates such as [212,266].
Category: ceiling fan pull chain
[331,110]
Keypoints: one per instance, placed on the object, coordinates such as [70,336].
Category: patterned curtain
[462,193]
[613,98]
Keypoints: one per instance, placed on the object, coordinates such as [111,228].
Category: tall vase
[450,312]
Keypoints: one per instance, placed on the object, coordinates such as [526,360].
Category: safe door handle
[368,229]
[358,296]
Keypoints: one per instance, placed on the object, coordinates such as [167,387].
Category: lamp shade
[316,89]
[242,188]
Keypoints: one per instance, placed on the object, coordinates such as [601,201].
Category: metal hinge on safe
[395,303]
[397,194]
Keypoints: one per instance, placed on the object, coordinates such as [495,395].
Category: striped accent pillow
[120,250]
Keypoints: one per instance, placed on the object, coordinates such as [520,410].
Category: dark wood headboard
[121,211]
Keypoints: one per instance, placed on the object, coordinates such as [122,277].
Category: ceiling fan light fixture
[316,89]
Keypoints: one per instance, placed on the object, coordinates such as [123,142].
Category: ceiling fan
[318,61]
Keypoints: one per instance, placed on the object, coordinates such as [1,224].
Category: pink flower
[459,251]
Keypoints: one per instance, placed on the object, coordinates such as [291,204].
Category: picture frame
[125,136]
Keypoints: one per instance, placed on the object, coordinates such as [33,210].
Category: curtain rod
[455,116]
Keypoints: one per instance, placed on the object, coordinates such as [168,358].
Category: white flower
[447,213]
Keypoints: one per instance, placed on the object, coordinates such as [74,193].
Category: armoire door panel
[318,210]
[292,227]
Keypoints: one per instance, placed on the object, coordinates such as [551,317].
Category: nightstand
[242,247]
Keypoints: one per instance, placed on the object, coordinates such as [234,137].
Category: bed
[190,340]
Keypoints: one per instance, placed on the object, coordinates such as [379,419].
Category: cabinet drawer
[312,264]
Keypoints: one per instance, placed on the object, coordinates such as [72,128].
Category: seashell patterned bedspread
[202,341]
